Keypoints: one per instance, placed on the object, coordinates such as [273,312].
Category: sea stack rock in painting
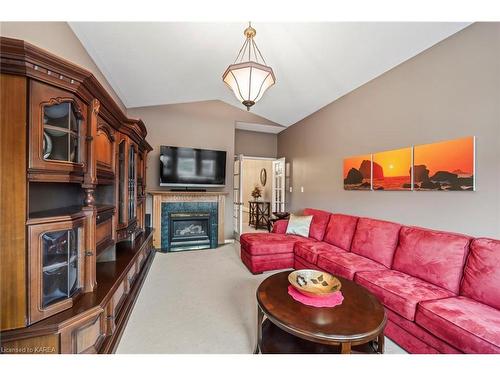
[353,177]
[365,169]
[357,173]
[420,173]
[445,165]
[443,176]
[378,171]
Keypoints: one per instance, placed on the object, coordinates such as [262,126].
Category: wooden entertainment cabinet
[74,249]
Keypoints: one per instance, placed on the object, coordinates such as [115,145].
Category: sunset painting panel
[392,170]
[445,165]
[357,172]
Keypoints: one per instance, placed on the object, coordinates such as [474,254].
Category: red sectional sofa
[441,290]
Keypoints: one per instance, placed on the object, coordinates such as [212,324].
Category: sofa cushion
[310,250]
[280,226]
[433,256]
[267,262]
[376,239]
[299,225]
[482,272]
[340,230]
[346,264]
[418,333]
[466,324]
[318,224]
[269,243]
[398,291]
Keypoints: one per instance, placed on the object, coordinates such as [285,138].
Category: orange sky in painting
[354,162]
[395,163]
[446,156]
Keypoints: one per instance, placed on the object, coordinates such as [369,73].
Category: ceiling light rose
[249,76]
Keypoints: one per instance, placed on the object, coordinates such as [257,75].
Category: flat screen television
[192,167]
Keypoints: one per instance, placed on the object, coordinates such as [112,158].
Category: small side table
[259,214]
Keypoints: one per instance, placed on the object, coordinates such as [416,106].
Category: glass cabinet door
[57,253]
[55,267]
[60,265]
[61,132]
[121,183]
[132,182]
[58,130]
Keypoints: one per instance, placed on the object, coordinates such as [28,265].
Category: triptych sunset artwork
[447,165]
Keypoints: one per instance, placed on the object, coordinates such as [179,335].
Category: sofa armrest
[280,226]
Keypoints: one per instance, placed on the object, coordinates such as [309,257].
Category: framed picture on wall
[445,166]
[392,170]
[358,172]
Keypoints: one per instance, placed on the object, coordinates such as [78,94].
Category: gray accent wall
[449,91]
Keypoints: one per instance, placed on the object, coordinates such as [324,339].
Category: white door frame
[239,199]
[278,203]
[237,196]
[257,158]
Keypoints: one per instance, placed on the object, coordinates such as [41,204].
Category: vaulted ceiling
[150,63]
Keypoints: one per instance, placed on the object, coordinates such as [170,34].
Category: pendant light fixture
[249,76]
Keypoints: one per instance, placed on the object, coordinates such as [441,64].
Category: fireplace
[189,226]
[189,230]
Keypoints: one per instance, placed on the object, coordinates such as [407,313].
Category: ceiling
[154,63]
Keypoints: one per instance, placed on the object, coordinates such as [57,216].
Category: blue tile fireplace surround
[179,220]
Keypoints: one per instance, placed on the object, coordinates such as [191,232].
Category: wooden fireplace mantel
[161,196]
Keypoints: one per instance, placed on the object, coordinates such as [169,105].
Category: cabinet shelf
[59,264]
[63,213]
[56,214]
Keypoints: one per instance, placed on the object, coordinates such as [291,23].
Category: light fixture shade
[249,80]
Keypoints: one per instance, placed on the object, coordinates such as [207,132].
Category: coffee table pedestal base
[276,341]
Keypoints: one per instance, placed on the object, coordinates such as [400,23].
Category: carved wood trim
[105,129]
[90,178]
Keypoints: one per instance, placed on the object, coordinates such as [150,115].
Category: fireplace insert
[189,231]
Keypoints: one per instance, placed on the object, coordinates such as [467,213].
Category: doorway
[259,190]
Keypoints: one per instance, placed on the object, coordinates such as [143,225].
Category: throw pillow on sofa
[299,225]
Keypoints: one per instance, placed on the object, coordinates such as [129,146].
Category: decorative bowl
[313,283]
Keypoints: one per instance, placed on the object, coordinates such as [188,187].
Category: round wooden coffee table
[292,327]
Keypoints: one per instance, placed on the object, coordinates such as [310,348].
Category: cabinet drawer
[119,297]
[131,275]
[104,234]
[87,337]
[110,318]
[84,335]
[140,260]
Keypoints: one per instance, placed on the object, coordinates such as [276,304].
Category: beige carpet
[197,302]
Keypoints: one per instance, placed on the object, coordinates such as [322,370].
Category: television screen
[182,166]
